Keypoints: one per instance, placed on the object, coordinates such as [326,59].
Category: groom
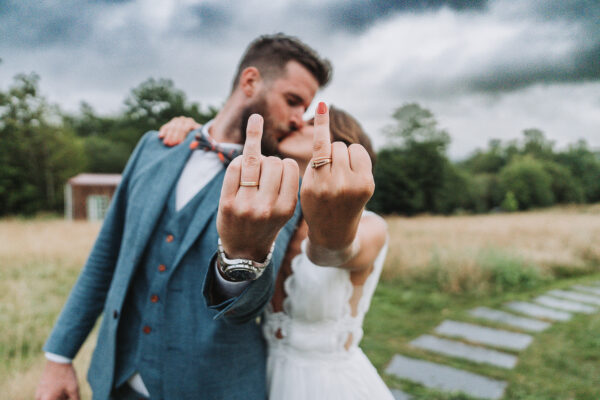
[170,330]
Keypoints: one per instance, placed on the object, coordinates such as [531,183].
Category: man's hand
[334,195]
[59,382]
[258,197]
[174,132]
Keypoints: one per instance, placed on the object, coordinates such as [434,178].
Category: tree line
[414,174]
[41,147]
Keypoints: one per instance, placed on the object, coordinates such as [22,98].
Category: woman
[313,324]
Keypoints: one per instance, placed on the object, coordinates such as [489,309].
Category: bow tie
[206,143]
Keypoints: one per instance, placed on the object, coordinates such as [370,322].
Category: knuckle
[264,213]
[251,160]
[319,145]
[243,211]
[227,206]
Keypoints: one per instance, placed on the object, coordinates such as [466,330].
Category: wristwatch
[241,269]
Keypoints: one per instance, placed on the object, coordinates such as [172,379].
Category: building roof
[96,179]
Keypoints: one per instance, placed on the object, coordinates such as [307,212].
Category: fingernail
[321,108]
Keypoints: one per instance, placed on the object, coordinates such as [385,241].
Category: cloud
[356,15]
[488,57]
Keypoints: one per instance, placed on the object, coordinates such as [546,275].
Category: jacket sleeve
[86,300]
[251,302]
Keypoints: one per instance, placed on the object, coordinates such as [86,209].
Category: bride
[313,324]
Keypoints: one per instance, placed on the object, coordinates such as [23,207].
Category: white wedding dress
[313,343]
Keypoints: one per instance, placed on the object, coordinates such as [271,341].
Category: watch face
[241,274]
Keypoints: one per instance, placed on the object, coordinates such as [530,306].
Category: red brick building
[87,196]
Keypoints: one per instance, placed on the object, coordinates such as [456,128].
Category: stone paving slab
[400,395]
[476,354]
[446,378]
[534,310]
[566,305]
[485,335]
[584,298]
[528,324]
[590,289]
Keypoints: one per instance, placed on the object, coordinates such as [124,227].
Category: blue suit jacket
[136,207]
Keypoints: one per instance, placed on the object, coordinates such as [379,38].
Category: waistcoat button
[162,268]
[147,329]
[170,238]
[154,298]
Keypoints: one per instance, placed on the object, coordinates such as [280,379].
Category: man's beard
[268,143]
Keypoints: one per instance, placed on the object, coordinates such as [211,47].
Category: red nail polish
[321,108]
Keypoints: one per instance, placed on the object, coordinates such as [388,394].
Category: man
[170,330]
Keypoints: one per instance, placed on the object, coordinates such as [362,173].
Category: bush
[528,180]
[510,202]
[508,273]
[564,187]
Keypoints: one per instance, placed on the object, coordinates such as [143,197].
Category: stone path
[528,324]
[476,354]
[469,341]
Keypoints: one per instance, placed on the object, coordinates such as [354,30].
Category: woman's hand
[334,194]
[174,132]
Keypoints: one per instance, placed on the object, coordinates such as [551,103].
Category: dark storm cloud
[39,24]
[210,19]
[583,65]
[580,63]
[356,16]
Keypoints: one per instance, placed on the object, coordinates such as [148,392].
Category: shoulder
[374,228]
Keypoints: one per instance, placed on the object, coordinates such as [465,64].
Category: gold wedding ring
[320,161]
[248,183]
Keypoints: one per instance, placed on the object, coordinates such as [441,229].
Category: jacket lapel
[152,189]
[203,215]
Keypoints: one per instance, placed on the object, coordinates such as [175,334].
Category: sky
[487,69]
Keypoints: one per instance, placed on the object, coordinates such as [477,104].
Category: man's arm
[87,297]
[86,300]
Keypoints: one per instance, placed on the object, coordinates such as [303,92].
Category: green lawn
[563,362]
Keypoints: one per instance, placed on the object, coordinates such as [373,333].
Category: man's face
[282,102]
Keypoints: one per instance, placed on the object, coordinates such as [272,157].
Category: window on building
[97,205]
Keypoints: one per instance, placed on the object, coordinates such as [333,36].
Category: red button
[170,238]
[162,268]
[147,329]
[154,298]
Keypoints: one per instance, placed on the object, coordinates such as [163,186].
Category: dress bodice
[320,314]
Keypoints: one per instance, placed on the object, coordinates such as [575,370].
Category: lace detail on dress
[310,360]
[317,309]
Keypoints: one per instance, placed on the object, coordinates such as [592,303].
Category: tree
[415,124]
[156,101]
[584,166]
[411,176]
[527,179]
[36,154]
[564,187]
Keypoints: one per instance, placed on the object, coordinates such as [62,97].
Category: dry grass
[40,261]
[554,239]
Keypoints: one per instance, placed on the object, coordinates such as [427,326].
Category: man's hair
[271,53]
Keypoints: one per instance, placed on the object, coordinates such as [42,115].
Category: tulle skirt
[292,375]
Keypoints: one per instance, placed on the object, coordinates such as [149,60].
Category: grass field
[437,268]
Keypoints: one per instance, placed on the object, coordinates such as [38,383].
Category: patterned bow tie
[206,143]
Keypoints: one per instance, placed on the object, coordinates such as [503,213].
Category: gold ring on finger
[248,183]
[320,161]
